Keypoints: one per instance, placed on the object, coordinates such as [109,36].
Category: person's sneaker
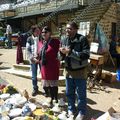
[46,95]
[51,101]
[51,104]
[56,101]
[34,93]
[70,113]
[79,117]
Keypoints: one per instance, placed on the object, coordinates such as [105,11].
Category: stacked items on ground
[16,106]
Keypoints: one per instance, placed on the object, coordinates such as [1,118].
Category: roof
[38,12]
[93,13]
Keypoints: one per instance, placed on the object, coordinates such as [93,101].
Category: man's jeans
[76,86]
[34,68]
[9,40]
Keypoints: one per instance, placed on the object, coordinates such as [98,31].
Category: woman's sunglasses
[45,32]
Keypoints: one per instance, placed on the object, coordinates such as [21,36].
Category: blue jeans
[77,86]
[34,68]
[9,41]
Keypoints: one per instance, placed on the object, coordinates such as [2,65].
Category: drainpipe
[82,2]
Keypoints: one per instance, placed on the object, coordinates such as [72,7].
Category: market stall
[20,106]
[2,40]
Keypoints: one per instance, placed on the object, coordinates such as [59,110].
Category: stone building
[56,13]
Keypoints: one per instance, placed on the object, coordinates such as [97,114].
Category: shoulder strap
[30,41]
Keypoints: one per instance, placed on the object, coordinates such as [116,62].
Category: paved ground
[98,101]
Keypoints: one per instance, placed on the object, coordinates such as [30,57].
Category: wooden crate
[96,59]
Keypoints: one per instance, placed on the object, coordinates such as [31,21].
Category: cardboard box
[108,77]
[108,115]
[116,105]
[113,77]
[96,59]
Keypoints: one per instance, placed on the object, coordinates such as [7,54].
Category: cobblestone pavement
[98,101]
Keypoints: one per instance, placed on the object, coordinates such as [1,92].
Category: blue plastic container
[118,75]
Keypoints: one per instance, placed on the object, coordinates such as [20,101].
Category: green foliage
[50,112]
[57,118]
[10,89]
[1,33]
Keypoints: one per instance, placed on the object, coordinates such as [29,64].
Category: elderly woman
[48,50]
[19,55]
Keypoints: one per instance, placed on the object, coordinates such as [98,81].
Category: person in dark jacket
[114,45]
[75,49]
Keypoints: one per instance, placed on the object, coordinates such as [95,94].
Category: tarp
[101,38]
[2,38]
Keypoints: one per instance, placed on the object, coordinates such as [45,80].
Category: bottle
[25,94]
[26,111]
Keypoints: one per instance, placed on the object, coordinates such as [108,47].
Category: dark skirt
[19,58]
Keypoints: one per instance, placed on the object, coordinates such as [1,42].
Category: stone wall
[118,21]
[4,1]
[97,1]
[109,18]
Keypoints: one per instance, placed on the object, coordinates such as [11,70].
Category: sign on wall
[84,28]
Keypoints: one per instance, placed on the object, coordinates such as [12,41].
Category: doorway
[113,29]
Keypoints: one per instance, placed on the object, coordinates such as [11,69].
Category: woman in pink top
[48,49]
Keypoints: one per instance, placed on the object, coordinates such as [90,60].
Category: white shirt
[8,29]
[32,48]
[35,45]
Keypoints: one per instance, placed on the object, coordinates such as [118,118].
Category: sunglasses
[69,28]
[45,32]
